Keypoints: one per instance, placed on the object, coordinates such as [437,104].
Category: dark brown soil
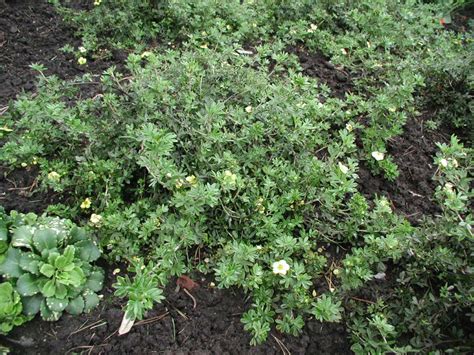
[17,192]
[317,65]
[412,192]
[214,327]
[31,32]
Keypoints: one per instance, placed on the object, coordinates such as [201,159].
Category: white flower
[280,267]
[349,127]
[95,219]
[82,49]
[444,163]
[455,163]
[378,155]
[248,109]
[343,168]
[312,28]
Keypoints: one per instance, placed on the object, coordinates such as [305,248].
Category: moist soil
[175,327]
[31,32]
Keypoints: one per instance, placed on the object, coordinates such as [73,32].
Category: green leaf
[69,254]
[49,289]
[47,270]
[60,262]
[27,285]
[91,301]
[77,234]
[48,314]
[29,262]
[22,237]
[3,231]
[74,277]
[61,291]
[45,239]
[10,267]
[56,304]
[31,305]
[76,305]
[87,250]
[95,281]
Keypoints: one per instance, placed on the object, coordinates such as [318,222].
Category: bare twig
[282,346]
[190,295]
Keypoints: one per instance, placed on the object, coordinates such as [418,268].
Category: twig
[282,346]
[362,300]
[91,326]
[190,295]
[152,320]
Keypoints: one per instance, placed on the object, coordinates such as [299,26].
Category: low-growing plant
[142,291]
[49,262]
[10,308]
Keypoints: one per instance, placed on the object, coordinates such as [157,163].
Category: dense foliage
[205,146]
[49,263]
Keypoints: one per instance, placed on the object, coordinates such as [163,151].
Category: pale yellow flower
[96,219]
[86,203]
[192,180]
[82,60]
[248,109]
[54,176]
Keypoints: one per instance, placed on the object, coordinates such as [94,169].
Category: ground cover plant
[214,142]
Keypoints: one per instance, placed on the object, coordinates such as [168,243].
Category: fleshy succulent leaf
[10,266]
[27,285]
[45,239]
[76,305]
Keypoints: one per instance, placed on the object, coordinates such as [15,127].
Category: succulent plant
[49,262]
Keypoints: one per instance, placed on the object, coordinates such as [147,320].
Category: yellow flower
[86,203]
[178,184]
[54,176]
[280,267]
[82,61]
[349,127]
[97,2]
[24,165]
[192,180]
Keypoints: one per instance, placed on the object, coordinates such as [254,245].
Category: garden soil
[31,32]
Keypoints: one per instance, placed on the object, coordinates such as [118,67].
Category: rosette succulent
[49,262]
